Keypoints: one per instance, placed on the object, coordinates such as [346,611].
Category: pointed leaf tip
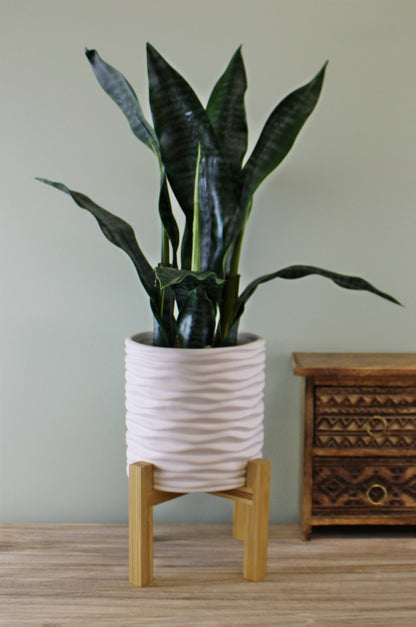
[325,65]
[151,50]
[279,133]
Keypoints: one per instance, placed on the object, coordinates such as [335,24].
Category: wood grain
[379,487]
[352,364]
[251,519]
[78,575]
[359,462]
[257,526]
[306,489]
[140,524]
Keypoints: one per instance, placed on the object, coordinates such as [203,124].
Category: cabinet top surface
[386,364]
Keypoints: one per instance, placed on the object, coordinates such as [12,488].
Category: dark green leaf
[232,336]
[161,336]
[181,123]
[196,231]
[181,282]
[167,217]
[119,233]
[227,112]
[212,240]
[168,277]
[279,134]
[120,90]
[343,280]
[196,320]
[229,298]
[164,329]
[298,272]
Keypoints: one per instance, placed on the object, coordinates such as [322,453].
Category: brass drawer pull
[377,494]
[371,430]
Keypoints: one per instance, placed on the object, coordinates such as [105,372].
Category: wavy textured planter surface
[196,414]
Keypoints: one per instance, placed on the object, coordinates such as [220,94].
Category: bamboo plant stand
[251,519]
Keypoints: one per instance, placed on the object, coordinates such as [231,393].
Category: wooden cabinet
[359,452]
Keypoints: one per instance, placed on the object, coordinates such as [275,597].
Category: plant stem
[235,259]
[232,281]
[228,304]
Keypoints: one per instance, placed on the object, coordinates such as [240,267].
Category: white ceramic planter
[196,414]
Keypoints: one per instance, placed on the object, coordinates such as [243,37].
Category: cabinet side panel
[309,406]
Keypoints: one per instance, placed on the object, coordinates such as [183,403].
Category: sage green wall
[343,199]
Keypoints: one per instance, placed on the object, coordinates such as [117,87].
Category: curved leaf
[181,123]
[227,112]
[298,272]
[164,329]
[119,233]
[232,335]
[167,217]
[168,277]
[196,320]
[181,282]
[279,134]
[229,300]
[120,90]
[161,337]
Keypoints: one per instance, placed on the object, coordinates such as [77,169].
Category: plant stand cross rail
[251,519]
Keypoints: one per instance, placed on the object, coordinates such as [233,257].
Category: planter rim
[145,341]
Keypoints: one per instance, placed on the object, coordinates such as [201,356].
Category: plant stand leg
[251,519]
[142,498]
[140,524]
[257,524]
[240,520]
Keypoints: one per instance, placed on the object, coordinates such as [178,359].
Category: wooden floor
[78,575]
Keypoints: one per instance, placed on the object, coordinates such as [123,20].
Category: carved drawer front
[365,417]
[378,486]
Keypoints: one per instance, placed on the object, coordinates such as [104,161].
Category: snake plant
[194,290]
